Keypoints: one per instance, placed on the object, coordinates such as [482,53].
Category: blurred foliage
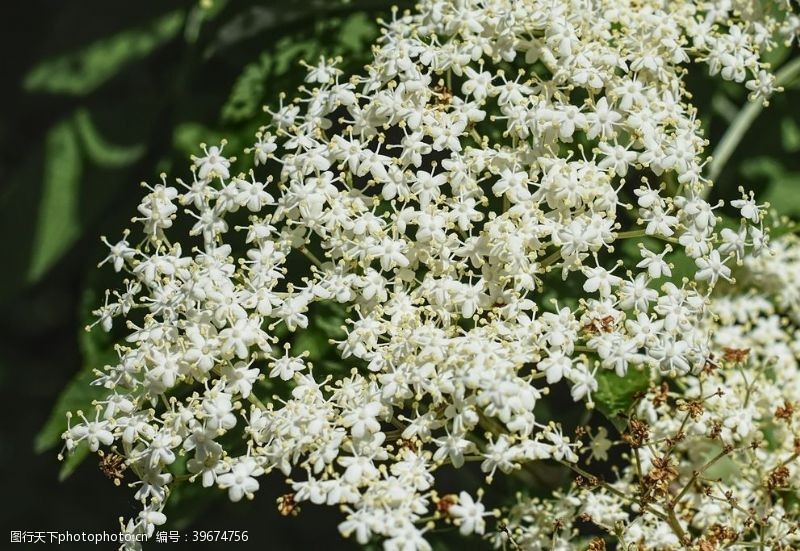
[58,224]
[778,179]
[146,96]
[80,73]
[97,350]
[120,93]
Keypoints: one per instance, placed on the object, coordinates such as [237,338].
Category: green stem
[741,124]
[697,473]
[630,234]
[612,490]
[553,257]
[675,524]
[311,256]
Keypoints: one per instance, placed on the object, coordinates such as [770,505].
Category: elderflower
[490,152]
[468,514]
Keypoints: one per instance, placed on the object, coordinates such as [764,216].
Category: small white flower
[712,268]
[468,514]
[241,480]
[213,164]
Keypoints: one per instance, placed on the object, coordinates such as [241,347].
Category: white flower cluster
[465,201]
[713,458]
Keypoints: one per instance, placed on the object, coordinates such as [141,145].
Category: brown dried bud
[638,434]
[778,478]
[721,533]
[442,96]
[411,444]
[597,544]
[660,396]
[601,325]
[287,505]
[445,502]
[785,411]
[694,408]
[735,355]
[661,474]
[113,466]
[709,366]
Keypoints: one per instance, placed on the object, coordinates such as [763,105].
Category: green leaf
[762,167]
[724,107]
[263,20]
[331,320]
[358,30]
[73,461]
[99,150]
[248,91]
[349,36]
[784,194]
[291,51]
[327,320]
[312,341]
[203,12]
[79,73]
[782,186]
[778,55]
[616,394]
[97,351]
[79,394]
[790,134]
[58,221]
